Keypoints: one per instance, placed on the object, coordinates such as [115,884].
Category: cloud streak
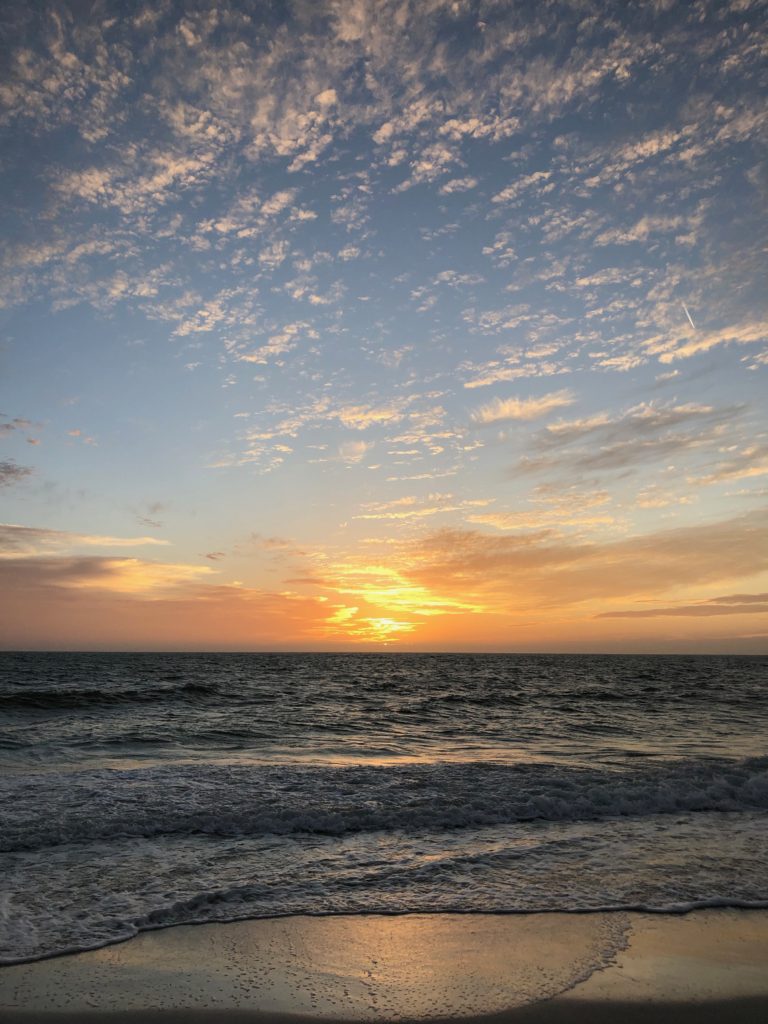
[737,604]
[500,410]
[28,540]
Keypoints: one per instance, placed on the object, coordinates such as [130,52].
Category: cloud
[643,433]
[12,473]
[410,507]
[488,126]
[670,350]
[73,76]
[361,417]
[389,590]
[454,573]
[622,363]
[643,419]
[501,410]
[521,185]
[740,464]
[457,279]
[149,516]
[285,339]
[30,540]
[501,251]
[138,185]
[510,367]
[278,202]
[277,547]
[95,572]
[20,424]
[458,185]
[124,604]
[275,254]
[326,98]
[735,604]
[549,508]
[537,520]
[539,570]
[493,321]
[353,451]
[640,231]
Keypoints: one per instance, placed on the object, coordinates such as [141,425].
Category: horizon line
[430,653]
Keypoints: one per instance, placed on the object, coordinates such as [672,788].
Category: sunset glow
[363,324]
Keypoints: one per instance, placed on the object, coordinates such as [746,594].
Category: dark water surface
[141,790]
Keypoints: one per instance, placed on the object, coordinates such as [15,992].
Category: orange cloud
[82,603]
[449,589]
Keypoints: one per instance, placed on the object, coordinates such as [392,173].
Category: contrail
[690,318]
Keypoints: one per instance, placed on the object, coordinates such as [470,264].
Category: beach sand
[710,965]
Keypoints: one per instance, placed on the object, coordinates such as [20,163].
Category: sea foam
[50,810]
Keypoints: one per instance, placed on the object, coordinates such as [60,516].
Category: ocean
[139,791]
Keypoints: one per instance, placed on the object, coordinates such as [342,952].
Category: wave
[653,865]
[82,697]
[218,800]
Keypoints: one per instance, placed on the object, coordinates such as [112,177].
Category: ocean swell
[50,810]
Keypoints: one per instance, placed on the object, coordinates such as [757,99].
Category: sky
[384,324]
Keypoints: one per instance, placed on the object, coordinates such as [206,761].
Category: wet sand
[709,965]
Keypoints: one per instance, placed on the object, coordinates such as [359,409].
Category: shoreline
[634,910]
[705,965]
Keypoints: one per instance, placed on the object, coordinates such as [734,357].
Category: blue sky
[434,324]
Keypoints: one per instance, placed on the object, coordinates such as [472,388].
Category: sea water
[139,791]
